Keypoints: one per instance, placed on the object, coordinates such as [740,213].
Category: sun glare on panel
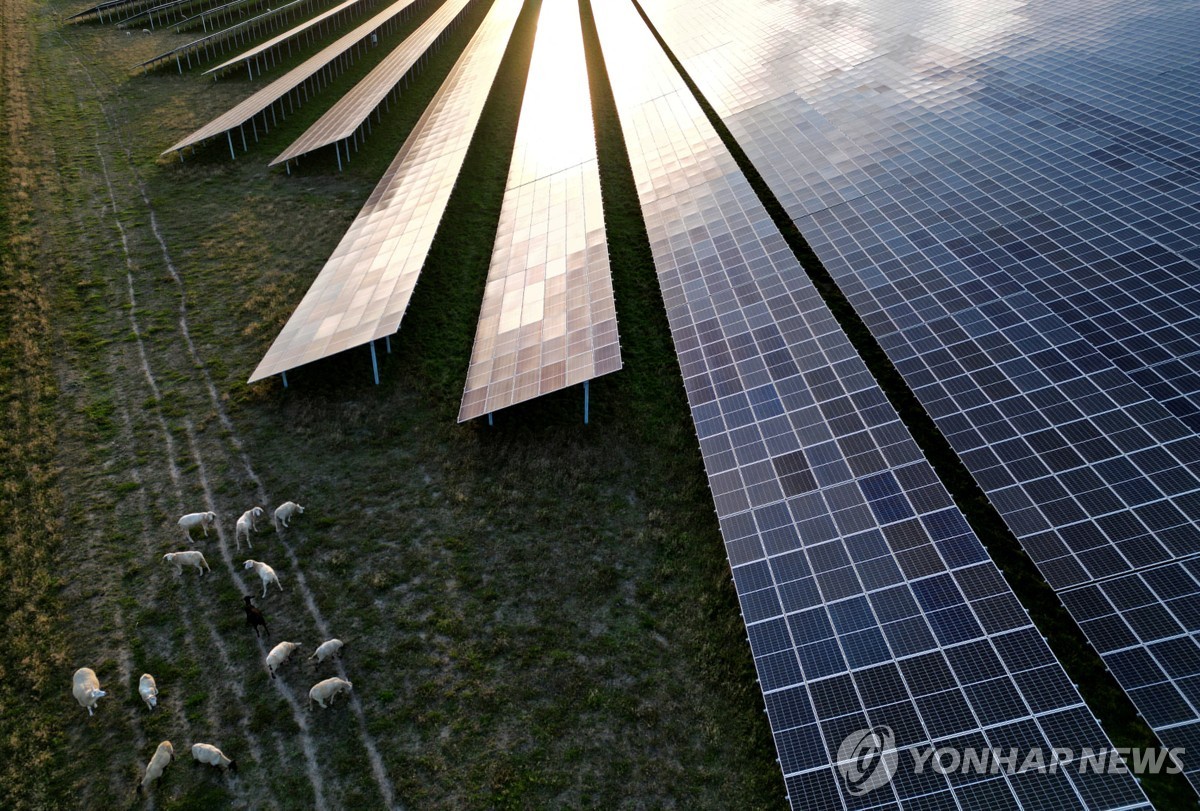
[556,117]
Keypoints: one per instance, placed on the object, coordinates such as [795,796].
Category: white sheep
[163,755]
[211,755]
[190,558]
[191,521]
[284,512]
[86,688]
[148,690]
[265,573]
[279,654]
[326,690]
[245,525]
[327,650]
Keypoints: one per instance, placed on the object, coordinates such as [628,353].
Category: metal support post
[585,401]
[374,364]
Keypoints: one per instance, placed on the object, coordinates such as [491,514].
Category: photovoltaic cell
[361,293]
[1008,195]
[548,319]
[868,600]
[351,110]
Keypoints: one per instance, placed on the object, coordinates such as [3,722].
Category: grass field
[537,613]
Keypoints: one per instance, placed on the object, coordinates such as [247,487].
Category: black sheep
[255,618]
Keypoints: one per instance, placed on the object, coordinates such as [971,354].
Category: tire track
[148,545]
[253,745]
[124,659]
[151,382]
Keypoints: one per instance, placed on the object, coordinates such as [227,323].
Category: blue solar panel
[1009,196]
[868,601]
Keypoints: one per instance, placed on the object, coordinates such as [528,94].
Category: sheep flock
[86,685]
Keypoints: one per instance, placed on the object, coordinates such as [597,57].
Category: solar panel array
[298,77]
[868,600]
[350,111]
[1009,195]
[548,319]
[306,26]
[236,35]
[361,293]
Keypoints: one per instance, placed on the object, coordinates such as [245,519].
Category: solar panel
[868,600]
[350,112]
[548,319]
[286,86]
[305,27]
[1008,197]
[363,290]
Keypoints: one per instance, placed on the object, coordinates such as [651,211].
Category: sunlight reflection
[555,130]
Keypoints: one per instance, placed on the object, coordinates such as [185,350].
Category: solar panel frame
[265,97]
[867,598]
[251,27]
[548,319]
[363,290]
[1008,202]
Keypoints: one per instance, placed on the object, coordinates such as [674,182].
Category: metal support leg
[585,401]
[284,379]
[374,364]
[388,340]
[229,135]
[489,418]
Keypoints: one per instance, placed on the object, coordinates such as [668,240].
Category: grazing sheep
[328,650]
[163,755]
[284,512]
[211,755]
[279,654]
[86,688]
[245,525]
[191,558]
[254,617]
[265,573]
[191,521]
[326,690]
[148,690]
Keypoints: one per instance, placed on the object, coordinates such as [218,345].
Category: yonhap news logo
[869,759]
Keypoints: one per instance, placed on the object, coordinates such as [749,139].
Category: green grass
[537,614]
